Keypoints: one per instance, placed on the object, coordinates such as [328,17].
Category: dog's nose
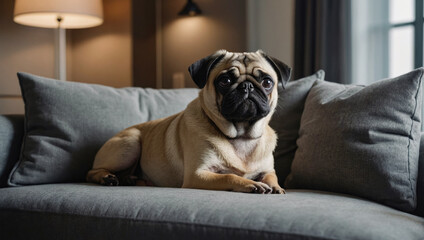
[246,87]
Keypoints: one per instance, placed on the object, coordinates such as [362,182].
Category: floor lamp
[62,15]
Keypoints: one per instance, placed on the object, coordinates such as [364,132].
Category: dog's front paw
[260,187]
[110,180]
[253,187]
[278,190]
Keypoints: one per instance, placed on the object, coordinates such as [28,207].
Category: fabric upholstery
[83,211]
[67,122]
[420,183]
[286,121]
[362,141]
[11,134]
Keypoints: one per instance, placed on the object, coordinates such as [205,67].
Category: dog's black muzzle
[245,103]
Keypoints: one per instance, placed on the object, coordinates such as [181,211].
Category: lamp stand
[60,51]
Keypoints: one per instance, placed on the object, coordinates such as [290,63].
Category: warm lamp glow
[73,13]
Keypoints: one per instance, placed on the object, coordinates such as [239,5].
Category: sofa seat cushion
[84,211]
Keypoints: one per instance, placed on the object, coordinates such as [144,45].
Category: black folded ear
[199,71]
[283,71]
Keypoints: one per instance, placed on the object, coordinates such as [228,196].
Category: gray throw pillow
[361,140]
[67,122]
[286,121]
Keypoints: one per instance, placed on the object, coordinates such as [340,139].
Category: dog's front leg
[271,180]
[228,182]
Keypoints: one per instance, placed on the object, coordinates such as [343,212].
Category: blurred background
[147,43]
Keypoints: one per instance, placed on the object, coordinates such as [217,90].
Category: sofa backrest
[420,182]
[11,134]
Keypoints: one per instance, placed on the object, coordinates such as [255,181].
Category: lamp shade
[45,13]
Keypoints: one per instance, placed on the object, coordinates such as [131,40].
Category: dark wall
[183,39]
[144,43]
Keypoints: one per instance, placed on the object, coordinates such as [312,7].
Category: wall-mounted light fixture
[190,9]
[60,14]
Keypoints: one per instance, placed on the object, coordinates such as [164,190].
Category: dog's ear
[283,71]
[199,71]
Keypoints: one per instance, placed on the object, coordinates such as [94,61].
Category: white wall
[270,27]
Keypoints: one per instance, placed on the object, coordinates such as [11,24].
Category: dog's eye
[224,82]
[267,83]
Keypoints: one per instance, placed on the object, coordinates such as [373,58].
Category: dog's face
[244,92]
[239,87]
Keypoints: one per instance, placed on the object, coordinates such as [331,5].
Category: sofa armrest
[420,181]
[11,134]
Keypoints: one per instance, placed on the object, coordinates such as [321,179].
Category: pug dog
[221,141]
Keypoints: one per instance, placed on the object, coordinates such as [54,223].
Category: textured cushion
[362,140]
[286,121]
[67,122]
[82,211]
[420,183]
[11,133]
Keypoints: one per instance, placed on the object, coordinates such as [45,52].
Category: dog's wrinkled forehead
[247,63]
[238,64]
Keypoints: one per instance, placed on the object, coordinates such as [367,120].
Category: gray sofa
[65,207]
